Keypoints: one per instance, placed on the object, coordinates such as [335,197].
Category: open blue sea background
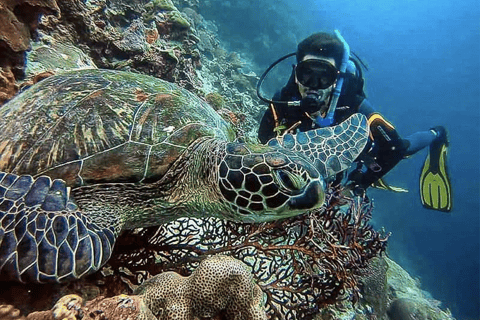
[424,70]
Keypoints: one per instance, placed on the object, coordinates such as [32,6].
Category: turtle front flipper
[44,237]
[331,149]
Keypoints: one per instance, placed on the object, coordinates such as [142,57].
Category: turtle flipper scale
[44,237]
[331,149]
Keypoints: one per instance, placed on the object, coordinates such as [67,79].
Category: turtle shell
[94,125]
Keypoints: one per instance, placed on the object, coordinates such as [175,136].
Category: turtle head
[262,183]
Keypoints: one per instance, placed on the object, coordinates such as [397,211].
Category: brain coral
[220,285]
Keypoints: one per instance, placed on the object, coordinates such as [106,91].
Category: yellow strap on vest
[377,117]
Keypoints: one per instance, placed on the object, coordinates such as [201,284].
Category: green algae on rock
[155,5]
[215,100]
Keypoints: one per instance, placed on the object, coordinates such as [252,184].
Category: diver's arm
[388,149]
[416,141]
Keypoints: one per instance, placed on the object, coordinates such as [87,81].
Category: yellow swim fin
[435,186]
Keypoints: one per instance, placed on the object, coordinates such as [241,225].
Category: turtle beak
[313,197]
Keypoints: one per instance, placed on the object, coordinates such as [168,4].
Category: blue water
[424,66]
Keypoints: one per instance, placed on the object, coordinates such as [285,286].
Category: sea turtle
[86,154]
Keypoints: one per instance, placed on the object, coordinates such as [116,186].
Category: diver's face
[320,81]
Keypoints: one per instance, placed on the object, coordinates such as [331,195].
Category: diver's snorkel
[328,119]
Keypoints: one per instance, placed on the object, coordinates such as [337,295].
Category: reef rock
[18,21]
[406,297]
[8,87]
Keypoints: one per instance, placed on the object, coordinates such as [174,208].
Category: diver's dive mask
[316,74]
[315,79]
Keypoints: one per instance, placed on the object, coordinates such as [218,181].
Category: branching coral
[301,264]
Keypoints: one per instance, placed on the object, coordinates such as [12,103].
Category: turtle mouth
[313,197]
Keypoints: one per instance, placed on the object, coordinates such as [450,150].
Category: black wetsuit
[385,148]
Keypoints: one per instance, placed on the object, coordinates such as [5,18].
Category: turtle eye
[288,181]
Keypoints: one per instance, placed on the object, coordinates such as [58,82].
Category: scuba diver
[326,87]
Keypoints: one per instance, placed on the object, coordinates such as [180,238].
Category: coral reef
[406,297]
[55,57]
[406,309]
[8,87]
[215,100]
[154,39]
[301,264]
[18,19]
[73,307]
[389,292]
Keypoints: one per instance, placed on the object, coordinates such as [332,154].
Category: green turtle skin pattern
[345,142]
[86,154]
